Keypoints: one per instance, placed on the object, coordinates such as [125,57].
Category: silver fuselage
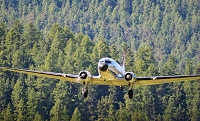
[113,71]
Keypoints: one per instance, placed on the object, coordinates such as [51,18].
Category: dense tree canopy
[159,38]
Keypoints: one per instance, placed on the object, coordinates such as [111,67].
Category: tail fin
[123,60]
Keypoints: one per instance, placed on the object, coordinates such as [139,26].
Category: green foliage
[58,111]
[76,116]
[8,113]
[38,117]
[159,38]
[169,67]
[145,63]
[139,116]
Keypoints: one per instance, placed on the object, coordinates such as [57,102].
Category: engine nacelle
[129,76]
[85,75]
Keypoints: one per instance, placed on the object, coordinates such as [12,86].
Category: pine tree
[3,32]
[122,114]
[176,108]
[100,50]
[5,92]
[82,53]
[8,113]
[62,92]
[58,111]
[37,117]
[18,99]
[76,116]
[195,114]
[146,65]
[69,57]
[111,114]
[169,68]
[114,54]
[13,41]
[44,87]
[32,103]
[105,108]
[168,111]
[139,116]
[194,105]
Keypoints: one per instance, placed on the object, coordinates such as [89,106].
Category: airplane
[110,73]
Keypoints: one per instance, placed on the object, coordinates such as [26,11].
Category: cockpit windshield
[107,61]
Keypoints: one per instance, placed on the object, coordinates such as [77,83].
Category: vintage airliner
[110,73]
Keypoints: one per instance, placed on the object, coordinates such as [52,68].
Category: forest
[160,37]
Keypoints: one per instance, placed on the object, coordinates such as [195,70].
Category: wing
[142,81]
[62,76]
[164,79]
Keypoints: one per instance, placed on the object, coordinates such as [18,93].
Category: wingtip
[1,68]
[4,68]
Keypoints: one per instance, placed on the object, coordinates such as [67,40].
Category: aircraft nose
[103,67]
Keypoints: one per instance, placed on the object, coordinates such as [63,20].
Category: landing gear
[130,94]
[121,88]
[85,89]
[130,91]
[85,92]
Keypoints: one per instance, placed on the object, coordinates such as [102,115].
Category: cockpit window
[107,61]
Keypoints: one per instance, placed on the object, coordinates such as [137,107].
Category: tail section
[123,60]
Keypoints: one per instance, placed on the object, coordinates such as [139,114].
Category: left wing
[144,81]
[164,79]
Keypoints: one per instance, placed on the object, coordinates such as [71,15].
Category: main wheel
[130,94]
[85,92]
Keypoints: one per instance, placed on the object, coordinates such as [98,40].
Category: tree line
[160,38]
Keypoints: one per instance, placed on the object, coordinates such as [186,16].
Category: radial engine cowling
[129,76]
[84,75]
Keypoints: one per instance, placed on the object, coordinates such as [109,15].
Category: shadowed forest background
[160,38]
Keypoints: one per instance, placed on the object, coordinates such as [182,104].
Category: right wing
[61,76]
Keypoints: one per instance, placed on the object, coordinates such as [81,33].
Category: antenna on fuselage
[123,60]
